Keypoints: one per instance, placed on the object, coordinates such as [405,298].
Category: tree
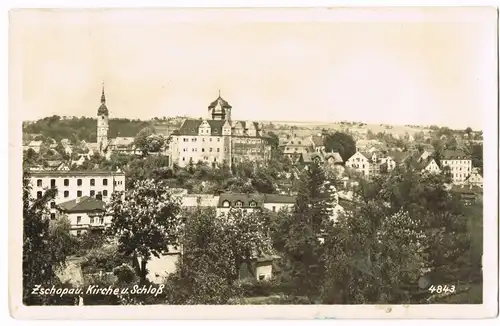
[372,257]
[147,141]
[214,249]
[475,151]
[43,253]
[145,221]
[342,143]
[303,247]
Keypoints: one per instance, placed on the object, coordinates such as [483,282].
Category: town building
[360,162]
[475,178]
[459,163]
[86,214]
[76,184]
[218,139]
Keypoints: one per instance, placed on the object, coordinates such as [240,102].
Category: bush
[254,288]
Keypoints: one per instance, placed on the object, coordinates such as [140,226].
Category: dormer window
[238,204]
[253,204]
[226,203]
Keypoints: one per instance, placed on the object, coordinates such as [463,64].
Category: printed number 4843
[442,289]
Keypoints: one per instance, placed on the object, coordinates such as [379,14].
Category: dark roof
[175,132]
[223,103]
[190,127]
[103,110]
[82,204]
[453,155]
[398,156]
[317,140]
[281,199]
[259,199]
[245,199]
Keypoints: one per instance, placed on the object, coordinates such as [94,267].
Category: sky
[396,66]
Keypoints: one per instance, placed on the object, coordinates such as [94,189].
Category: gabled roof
[82,204]
[397,156]
[336,156]
[317,140]
[368,155]
[454,155]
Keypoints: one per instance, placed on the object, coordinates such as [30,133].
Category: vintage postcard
[253,163]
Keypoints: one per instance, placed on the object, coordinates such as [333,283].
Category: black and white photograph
[261,161]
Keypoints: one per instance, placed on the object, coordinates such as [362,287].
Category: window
[91,220]
[105,193]
[78,219]
[210,139]
[218,150]
[52,204]
[253,204]
[104,182]
[66,194]
[39,182]
[78,233]
[238,204]
[92,182]
[52,183]
[92,193]
[183,158]
[262,277]
[202,149]
[101,220]
[79,182]
[226,203]
[215,159]
[99,196]
[52,216]
[274,208]
[38,194]
[218,139]
[210,149]
[79,193]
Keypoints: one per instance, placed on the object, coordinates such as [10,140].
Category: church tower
[102,124]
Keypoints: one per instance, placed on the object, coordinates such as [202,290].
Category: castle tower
[102,124]
[219,109]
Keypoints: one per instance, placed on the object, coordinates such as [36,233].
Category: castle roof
[223,103]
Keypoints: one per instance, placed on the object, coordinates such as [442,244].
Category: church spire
[103,97]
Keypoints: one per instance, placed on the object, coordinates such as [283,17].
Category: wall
[160,268]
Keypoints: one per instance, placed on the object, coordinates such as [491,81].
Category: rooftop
[82,204]
[76,173]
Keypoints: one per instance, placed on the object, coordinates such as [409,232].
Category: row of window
[203,149]
[204,157]
[238,203]
[463,161]
[79,193]
[196,138]
[79,182]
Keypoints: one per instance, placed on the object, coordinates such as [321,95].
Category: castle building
[218,139]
